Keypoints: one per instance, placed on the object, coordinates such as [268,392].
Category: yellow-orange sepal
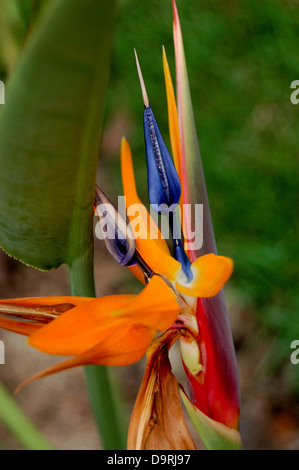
[210,273]
[153,249]
[101,320]
[112,330]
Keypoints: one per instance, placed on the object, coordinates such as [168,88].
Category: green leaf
[214,435]
[17,422]
[50,132]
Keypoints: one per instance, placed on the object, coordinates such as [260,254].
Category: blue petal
[178,250]
[163,181]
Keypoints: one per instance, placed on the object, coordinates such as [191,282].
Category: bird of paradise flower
[182,298]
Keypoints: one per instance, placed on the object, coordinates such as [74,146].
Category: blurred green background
[242,57]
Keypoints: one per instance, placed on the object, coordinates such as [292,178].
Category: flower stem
[104,400]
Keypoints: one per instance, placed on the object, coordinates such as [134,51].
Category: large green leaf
[50,131]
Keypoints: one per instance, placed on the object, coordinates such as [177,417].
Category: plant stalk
[104,400]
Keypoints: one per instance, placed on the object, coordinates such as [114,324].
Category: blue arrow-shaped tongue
[163,181]
[164,185]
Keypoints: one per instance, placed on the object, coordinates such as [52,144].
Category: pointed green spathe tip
[214,435]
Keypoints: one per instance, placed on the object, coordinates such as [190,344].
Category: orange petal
[20,327]
[81,328]
[210,273]
[128,345]
[130,192]
[174,132]
[85,326]
[46,301]
[154,251]
[25,316]
[137,273]
[172,118]
[125,346]
[155,306]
